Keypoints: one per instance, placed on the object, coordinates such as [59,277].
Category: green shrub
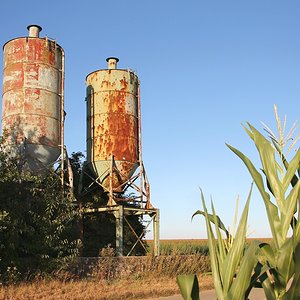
[37,221]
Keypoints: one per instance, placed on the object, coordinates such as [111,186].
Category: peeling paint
[31,96]
[112,101]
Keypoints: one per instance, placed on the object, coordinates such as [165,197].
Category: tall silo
[33,97]
[113,124]
[114,154]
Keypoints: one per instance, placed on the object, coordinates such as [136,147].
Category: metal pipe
[62,116]
[34,30]
[112,63]
[119,214]
[140,144]
[156,221]
[92,124]
[111,201]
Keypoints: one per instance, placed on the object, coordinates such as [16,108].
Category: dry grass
[116,268]
[114,278]
[100,290]
[121,278]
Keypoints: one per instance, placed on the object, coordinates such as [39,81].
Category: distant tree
[99,228]
[37,218]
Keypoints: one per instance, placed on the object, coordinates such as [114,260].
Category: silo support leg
[156,222]
[119,215]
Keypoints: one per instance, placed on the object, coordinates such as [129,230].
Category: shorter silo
[112,125]
[32,97]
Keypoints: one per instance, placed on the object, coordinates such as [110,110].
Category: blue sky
[205,67]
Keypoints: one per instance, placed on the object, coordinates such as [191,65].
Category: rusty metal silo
[33,97]
[113,125]
[114,152]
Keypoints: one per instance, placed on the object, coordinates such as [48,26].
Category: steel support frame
[143,205]
[143,190]
[121,212]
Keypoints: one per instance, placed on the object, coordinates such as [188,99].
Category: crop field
[188,247]
[181,247]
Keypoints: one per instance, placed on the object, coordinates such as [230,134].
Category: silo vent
[34,30]
[112,62]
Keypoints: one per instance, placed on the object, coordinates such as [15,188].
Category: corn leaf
[218,223]
[268,253]
[249,132]
[268,288]
[235,253]
[272,210]
[296,235]
[291,169]
[285,264]
[189,287]
[213,253]
[294,178]
[259,272]
[290,209]
[242,285]
[294,290]
[267,156]
[212,219]
[221,250]
[263,280]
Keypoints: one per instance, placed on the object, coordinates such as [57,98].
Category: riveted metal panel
[31,97]
[112,118]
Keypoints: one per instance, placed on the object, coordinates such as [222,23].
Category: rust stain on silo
[113,122]
[31,98]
